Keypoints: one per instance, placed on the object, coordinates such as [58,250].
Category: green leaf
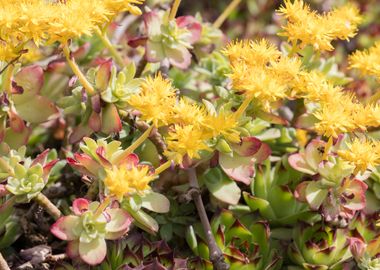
[155,202]
[221,187]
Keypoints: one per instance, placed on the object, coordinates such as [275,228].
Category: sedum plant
[166,119]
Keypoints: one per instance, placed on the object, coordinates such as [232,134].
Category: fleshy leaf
[156,202]
[64,227]
[94,252]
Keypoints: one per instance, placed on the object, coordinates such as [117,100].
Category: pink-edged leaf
[137,41]
[191,24]
[111,122]
[300,192]
[80,206]
[72,249]
[314,153]
[132,160]
[103,75]
[120,221]
[357,247]
[263,153]
[95,122]
[15,121]
[101,154]
[36,109]
[3,191]
[79,132]
[354,194]
[152,23]
[96,103]
[41,158]
[59,66]
[47,168]
[179,57]
[31,79]
[94,252]
[17,139]
[64,227]
[297,161]
[84,164]
[248,146]
[238,168]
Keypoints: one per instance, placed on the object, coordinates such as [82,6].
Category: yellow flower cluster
[263,74]
[318,30]
[122,180]
[190,125]
[363,154]
[367,61]
[261,71]
[45,22]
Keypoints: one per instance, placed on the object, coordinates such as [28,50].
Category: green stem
[110,47]
[220,20]
[243,107]
[43,201]
[134,145]
[74,67]
[163,167]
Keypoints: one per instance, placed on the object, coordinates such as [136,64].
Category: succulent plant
[245,243]
[88,228]
[334,189]
[25,177]
[319,247]
[273,197]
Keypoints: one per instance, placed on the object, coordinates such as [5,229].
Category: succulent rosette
[319,247]
[88,228]
[25,177]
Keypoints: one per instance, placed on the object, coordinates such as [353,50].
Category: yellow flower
[118,6]
[122,181]
[185,140]
[255,53]
[334,119]
[223,124]
[155,100]
[186,112]
[367,61]
[318,30]
[364,154]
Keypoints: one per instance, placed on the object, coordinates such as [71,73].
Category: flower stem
[3,263]
[220,20]
[163,167]
[243,107]
[173,11]
[74,67]
[42,200]
[135,144]
[327,148]
[110,47]
[102,206]
[8,79]
[216,255]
